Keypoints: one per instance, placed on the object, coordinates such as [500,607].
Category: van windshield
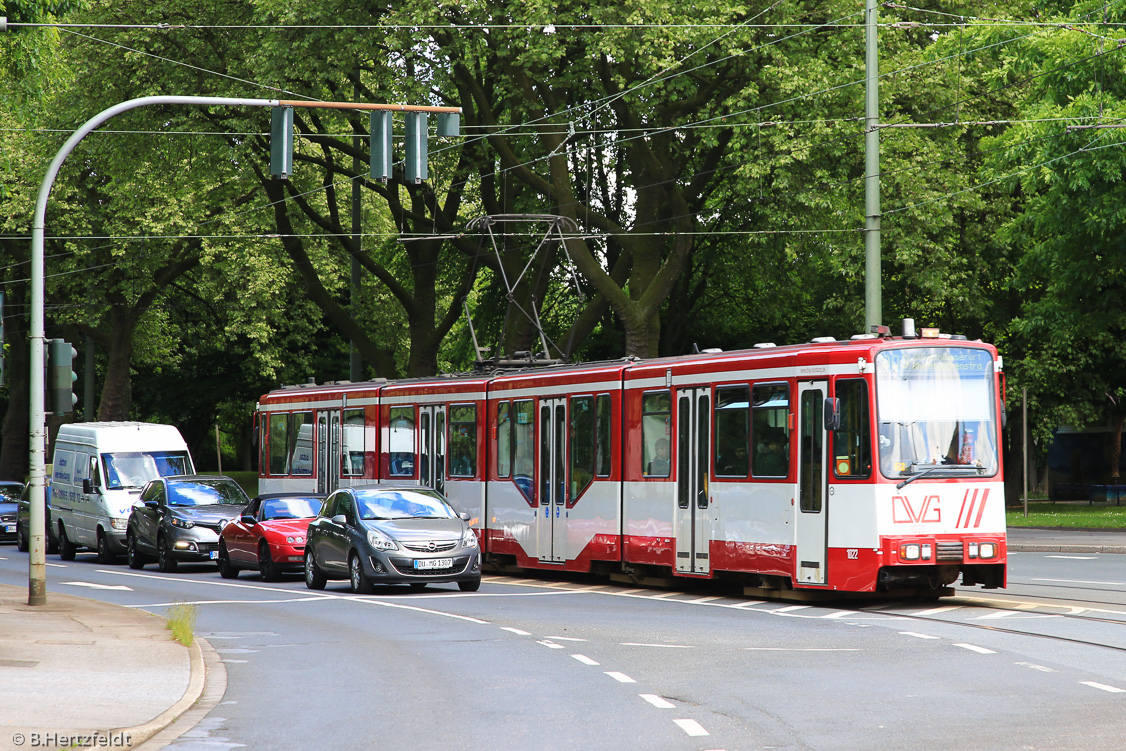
[132,469]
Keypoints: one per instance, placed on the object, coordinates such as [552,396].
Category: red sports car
[269,536]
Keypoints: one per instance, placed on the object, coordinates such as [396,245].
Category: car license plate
[214,555]
[9,527]
[429,563]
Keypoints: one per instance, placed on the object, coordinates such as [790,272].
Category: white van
[97,474]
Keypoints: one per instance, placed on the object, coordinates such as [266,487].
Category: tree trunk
[15,438]
[117,392]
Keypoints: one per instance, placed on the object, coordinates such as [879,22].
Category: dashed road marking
[975,648]
[1034,666]
[550,644]
[585,660]
[691,727]
[565,638]
[657,701]
[620,677]
[791,609]
[1104,687]
[666,646]
[936,611]
[918,635]
[517,631]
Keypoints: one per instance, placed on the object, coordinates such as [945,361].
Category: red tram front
[841,466]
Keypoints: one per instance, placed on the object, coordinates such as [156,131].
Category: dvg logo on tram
[928,510]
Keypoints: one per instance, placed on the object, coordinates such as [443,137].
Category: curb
[1034,547]
[206,688]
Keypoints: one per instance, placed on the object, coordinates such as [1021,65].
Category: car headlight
[470,539]
[181,523]
[379,541]
[292,540]
[119,524]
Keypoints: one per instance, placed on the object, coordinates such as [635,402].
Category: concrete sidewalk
[89,674]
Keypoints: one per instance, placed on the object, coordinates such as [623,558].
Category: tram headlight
[971,550]
[988,550]
[926,552]
[909,552]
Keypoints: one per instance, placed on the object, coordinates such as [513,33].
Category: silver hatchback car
[391,534]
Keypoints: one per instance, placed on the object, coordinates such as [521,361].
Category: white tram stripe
[691,727]
[657,701]
[975,648]
[620,677]
[585,660]
[1104,687]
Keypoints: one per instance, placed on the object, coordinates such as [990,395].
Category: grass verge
[181,622]
[1077,515]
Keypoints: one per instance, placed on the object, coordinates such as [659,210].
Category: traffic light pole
[37,560]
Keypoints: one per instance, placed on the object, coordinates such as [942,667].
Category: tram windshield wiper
[918,470]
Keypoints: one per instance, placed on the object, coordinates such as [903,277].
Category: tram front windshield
[935,407]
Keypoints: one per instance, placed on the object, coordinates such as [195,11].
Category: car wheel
[226,570]
[105,555]
[418,585]
[67,549]
[132,554]
[470,586]
[164,560]
[52,543]
[266,563]
[314,578]
[361,585]
[21,541]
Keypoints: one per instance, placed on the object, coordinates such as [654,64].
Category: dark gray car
[179,518]
[380,534]
[23,523]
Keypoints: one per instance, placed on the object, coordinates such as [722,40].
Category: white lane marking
[747,604]
[936,611]
[657,701]
[550,644]
[91,585]
[57,565]
[518,632]
[620,677]
[628,591]
[790,609]
[918,635]
[1011,614]
[666,646]
[691,727]
[227,602]
[238,661]
[975,648]
[1080,581]
[584,660]
[1074,557]
[565,638]
[661,595]
[801,649]
[1034,666]
[1104,687]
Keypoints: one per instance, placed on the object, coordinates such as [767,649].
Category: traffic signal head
[61,377]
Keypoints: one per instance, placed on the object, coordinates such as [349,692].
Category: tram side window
[770,430]
[852,444]
[602,437]
[352,443]
[583,424]
[524,448]
[301,443]
[463,440]
[279,443]
[656,428]
[400,442]
[732,431]
[504,440]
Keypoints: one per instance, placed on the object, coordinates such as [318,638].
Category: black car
[23,522]
[179,518]
[9,508]
[382,534]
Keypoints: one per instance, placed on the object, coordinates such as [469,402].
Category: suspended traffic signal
[281,142]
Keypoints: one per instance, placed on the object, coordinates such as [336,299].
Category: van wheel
[266,563]
[314,577]
[226,570]
[67,549]
[105,555]
[164,560]
[136,561]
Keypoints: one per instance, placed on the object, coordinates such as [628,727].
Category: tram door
[328,450]
[692,516]
[432,446]
[551,527]
[812,516]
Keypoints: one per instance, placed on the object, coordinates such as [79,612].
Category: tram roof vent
[711,351]
[765,345]
[823,339]
[863,336]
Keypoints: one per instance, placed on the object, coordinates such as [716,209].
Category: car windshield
[290,508]
[204,493]
[132,469]
[402,504]
[935,407]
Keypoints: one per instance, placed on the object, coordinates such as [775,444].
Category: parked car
[179,518]
[9,509]
[391,534]
[23,521]
[269,535]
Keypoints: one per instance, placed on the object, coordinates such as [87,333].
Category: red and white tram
[845,466]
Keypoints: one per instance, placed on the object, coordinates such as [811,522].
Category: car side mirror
[248,520]
[832,414]
[152,505]
[340,519]
[87,486]
[464,516]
